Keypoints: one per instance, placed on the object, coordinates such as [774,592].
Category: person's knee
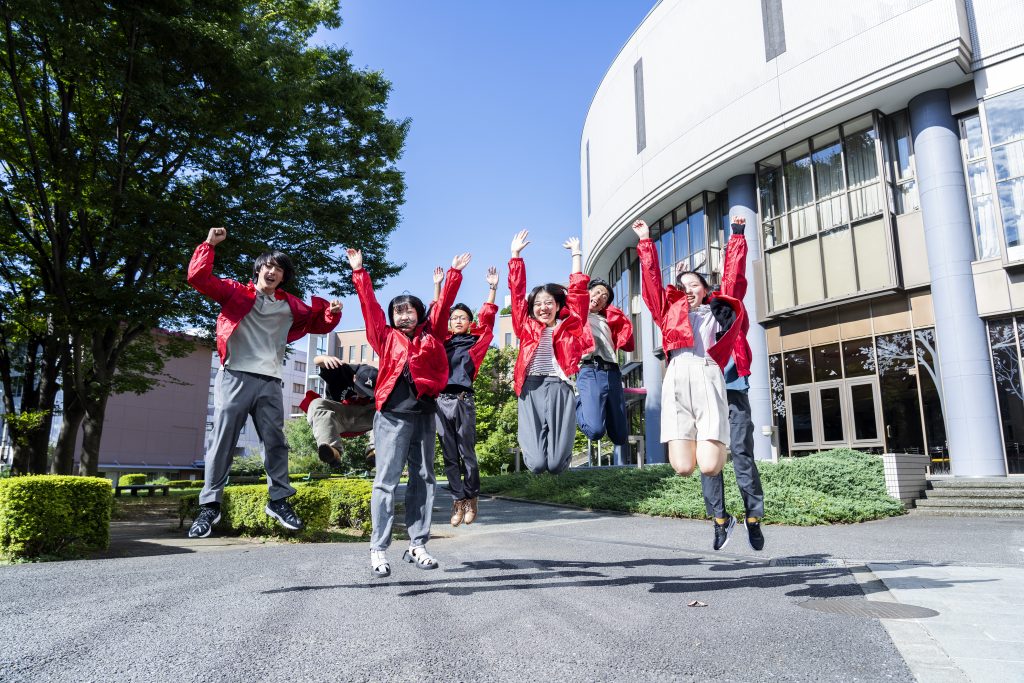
[711,469]
[537,468]
[683,469]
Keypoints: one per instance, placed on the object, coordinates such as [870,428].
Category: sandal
[421,557]
[379,564]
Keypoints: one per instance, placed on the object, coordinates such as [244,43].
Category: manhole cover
[870,609]
[805,562]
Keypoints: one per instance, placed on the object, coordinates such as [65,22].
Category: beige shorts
[694,406]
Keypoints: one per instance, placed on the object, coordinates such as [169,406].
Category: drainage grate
[869,608]
[806,562]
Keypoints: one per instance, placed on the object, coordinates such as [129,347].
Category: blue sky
[497,94]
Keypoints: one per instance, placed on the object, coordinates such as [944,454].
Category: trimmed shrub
[54,515]
[243,510]
[350,502]
[185,483]
[132,480]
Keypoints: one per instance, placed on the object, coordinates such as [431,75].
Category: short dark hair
[598,282]
[274,258]
[557,291]
[464,308]
[414,301]
[703,282]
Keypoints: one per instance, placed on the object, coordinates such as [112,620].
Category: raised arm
[734,273]
[373,314]
[492,284]
[517,283]
[438,279]
[200,269]
[441,309]
[573,245]
[652,290]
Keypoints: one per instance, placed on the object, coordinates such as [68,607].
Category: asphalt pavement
[528,593]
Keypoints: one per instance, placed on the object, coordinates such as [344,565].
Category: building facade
[876,150]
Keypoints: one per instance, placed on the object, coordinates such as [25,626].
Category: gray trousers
[329,419]
[402,438]
[748,479]
[547,424]
[237,395]
[456,425]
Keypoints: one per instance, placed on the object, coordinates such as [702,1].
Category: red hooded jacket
[428,362]
[619,324]
[734,284]
[236,300]
[570,339]
[671,310]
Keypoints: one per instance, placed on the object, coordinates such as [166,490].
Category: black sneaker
[754,535]
[723,532]
[282,511]
[329,455]
[202,525]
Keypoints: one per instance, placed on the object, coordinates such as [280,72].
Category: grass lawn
[839,486]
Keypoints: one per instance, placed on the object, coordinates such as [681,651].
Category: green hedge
[53,515]
[185,483]
[243,510]
[350,502]
[132,480]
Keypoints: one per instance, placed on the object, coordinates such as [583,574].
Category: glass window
[1005,119]
[508,339]
[831,405]
[300,366]
[798,367]
[827,161]
[800,191]
[901,407]
[1006,366]
[828,364]
[777,390]
[862,168]
[901,157]
[698,239]
[979,187]
[298,388]
[931,399]
[862,408]
[362,352]
[803,420]
[769,182]
[352,354]
[859,357]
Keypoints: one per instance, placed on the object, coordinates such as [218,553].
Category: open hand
[355,259]
[519,242]
[335,308]
[438,275]
[492,276]
[573,245]
[461,261]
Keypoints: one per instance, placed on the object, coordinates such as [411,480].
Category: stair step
[1001,503]
[965,512]
[990,483]
[974,492]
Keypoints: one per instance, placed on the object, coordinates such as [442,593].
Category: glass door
[802,434]
[831,413]
[865,412]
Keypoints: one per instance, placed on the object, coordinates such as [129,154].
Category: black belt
[458,394]
[600,364]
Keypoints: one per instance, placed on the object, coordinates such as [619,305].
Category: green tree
[128,129]
[497,417]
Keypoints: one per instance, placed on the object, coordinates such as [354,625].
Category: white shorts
[694,406]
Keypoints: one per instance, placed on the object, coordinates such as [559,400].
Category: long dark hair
[557,292]
[703,282]
[274,258]
[414,301]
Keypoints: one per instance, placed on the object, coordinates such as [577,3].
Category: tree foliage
[497,416]
[128,129]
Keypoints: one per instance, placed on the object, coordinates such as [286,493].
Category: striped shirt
[543,361]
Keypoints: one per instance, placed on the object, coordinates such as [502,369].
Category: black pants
[456,425]
[741,436]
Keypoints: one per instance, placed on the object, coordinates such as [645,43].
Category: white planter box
[905,476]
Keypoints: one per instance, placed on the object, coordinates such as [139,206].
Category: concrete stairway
[1002,497]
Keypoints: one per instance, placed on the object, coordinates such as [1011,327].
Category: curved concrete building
[876,149]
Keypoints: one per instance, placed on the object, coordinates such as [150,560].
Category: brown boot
[458,511]
[470,506]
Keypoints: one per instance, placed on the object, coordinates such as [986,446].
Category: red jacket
[570,339]
[236,300]
[618,323]
[424,353]
[483,329]
[671,310]
[734,284]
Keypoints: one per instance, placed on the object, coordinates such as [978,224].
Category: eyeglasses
[459,318]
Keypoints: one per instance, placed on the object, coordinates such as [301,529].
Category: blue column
[743,203]
[968,395]
[652,380]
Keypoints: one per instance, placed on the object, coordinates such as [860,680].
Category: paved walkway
[533,592]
